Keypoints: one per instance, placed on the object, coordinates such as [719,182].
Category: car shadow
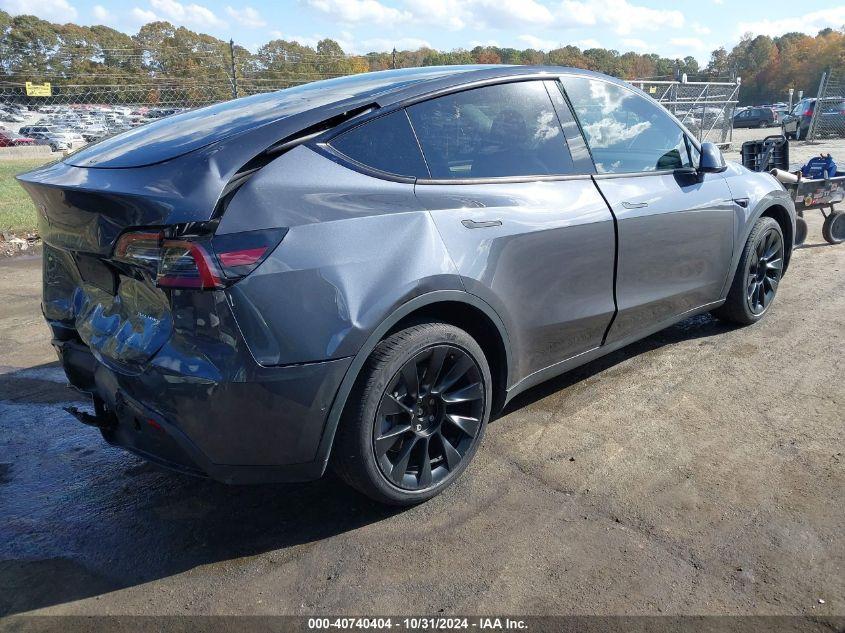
[700,326]
[79,518]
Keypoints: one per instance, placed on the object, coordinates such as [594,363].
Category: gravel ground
[700,471]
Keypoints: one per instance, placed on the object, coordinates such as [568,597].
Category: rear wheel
[757,276]
[416,416]
[833,229]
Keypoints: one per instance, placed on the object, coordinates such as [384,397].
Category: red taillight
[186,264]
[244,257]
[200,262]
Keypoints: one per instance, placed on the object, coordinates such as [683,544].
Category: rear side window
[386,143]
[491,132]
[626,132]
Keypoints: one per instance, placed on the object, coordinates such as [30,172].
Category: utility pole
[234,75]
[393,63]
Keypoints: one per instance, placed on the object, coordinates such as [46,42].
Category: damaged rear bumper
[264,430]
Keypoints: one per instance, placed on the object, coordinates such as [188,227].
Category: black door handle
[472,224]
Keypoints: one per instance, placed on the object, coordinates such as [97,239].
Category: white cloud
[483,43]
[587,43]
[194,15]
[379,44]
[573,13]
[620,15]
[810,23]
[539,43]
[689,44]
[304,40]
[247,16]
[480,14]
[353,11]
[635,44]
[506,13]
[700,28]
[143,16]
[102,14]
[451,14]
[51,10]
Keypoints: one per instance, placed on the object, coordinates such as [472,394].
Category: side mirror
[711,161]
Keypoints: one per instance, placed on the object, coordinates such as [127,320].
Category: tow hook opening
[103,417]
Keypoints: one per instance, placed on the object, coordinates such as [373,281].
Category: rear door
[675,226]
[511,194]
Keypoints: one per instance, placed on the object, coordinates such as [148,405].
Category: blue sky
[673,29]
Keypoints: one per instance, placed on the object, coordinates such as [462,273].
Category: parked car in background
[58,135]
[781,109]
[13,139]
[756,117]
[11,116]
[57,142]
[796,124]
[362,270]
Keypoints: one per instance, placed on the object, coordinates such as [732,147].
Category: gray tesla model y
[359,272]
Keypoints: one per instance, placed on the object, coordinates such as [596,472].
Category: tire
[833,229]
[800,231]
[757,275]
[401,415]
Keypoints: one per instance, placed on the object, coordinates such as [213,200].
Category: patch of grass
[17,213]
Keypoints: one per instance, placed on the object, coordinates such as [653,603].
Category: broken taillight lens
[201,262]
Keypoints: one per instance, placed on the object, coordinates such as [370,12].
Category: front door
[675,245]
[675,226]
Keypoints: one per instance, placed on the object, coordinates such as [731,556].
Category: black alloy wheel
[429,417]
[764,271]
[757,275]
[417,414]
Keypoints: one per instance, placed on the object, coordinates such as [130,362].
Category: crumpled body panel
[128,328]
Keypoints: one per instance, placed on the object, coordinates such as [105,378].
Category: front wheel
[757,276]
[416,416]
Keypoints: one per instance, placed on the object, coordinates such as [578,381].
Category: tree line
[161,54]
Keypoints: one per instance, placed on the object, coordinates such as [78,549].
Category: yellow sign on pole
[39,90]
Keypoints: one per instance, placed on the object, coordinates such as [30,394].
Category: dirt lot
[698,471]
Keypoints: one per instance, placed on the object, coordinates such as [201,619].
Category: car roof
[294,108]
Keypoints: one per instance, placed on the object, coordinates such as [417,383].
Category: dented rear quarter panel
[357,248]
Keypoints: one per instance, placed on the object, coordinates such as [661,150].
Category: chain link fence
[86,95]
[706,108]
[828,118]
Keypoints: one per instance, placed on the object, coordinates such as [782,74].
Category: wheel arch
[780,215]
[456,307]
